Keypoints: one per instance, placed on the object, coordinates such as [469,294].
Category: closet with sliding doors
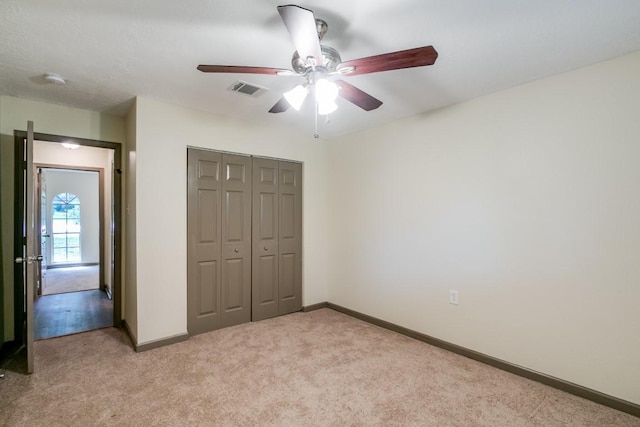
[244,237]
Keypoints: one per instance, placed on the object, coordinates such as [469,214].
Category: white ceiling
[111,51]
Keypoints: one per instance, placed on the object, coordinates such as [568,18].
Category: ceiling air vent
[247,89]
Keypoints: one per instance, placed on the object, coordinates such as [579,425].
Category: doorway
[73,290]
[49,153]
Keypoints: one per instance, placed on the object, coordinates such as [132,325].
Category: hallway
[71,312]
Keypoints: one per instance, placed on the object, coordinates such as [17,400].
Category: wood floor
[72,312]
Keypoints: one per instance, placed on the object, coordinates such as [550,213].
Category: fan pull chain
[316,135]
[312,61]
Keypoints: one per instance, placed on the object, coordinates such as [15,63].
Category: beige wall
[50,119]
[527,202]
[59,120]
[130,300]
[163,133]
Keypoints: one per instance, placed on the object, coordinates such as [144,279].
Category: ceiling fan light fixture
[327,107]
[326,94]
[326,91]
[296,96]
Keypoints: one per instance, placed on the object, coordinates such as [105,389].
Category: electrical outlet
[453,297]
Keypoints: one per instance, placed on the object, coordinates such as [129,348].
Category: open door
[30,258]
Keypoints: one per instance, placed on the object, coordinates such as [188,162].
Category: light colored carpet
[71,279]
[321,368]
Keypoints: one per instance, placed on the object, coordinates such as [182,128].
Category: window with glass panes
[65,210]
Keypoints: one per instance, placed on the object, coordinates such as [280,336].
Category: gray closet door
[219,240]
[290,237]
[203,239]
[244,237]
[236,240]
[265,239]
[277,238]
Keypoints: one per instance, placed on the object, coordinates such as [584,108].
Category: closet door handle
[236,250]
[266,248]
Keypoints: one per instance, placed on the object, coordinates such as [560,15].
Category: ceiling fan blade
[301,25]
[242,69]
[357,96]
[280,107]
[417,57]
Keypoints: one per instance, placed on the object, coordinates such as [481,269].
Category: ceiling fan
[323,68]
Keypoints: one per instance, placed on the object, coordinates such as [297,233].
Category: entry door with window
[65,215]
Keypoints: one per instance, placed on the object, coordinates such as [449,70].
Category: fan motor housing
[330,55]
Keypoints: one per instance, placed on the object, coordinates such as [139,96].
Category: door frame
[101,209]
[19,296]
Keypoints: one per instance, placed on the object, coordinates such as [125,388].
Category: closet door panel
[233,291]
[287,289]
[203,240]
[207,289]
[265,239]
[290,237]
[268,274]
[236,240]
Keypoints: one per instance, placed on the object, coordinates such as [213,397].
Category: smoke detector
[54,78]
